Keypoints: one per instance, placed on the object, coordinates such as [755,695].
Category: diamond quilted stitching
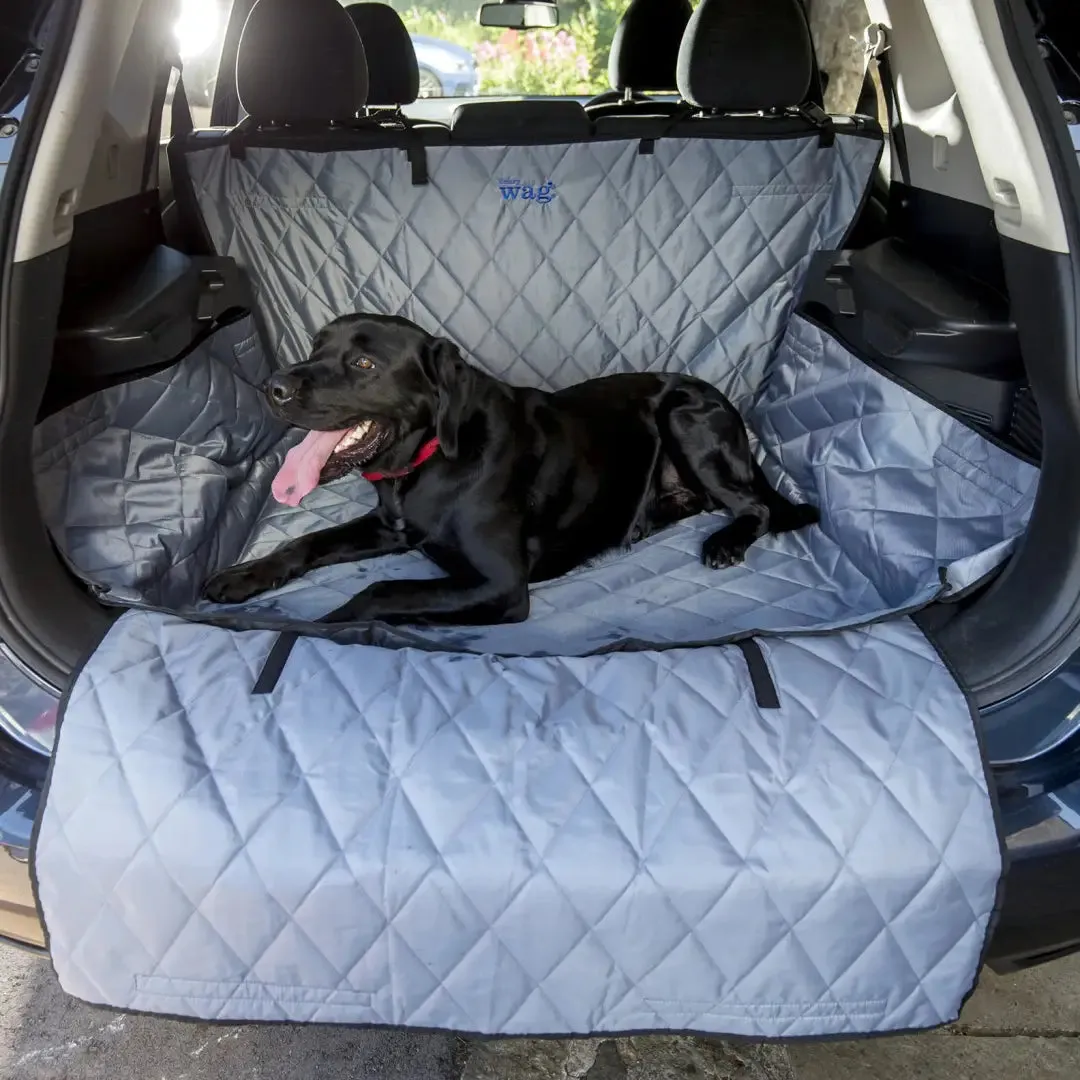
[527,233]
[444,962]
[818,585]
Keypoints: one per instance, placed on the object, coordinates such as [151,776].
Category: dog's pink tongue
[299,472]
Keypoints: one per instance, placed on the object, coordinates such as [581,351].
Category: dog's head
[379,383]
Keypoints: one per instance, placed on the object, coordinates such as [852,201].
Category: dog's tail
[784,515]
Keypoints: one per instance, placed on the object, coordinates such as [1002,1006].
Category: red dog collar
[424,453]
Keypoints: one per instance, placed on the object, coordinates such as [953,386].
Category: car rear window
[458,57]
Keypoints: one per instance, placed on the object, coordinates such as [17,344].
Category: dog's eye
[362,362]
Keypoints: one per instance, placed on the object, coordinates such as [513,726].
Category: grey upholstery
[546,264]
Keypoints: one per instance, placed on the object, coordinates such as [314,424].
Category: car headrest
[645,48]
[300,63]
[746,55]
[393,75]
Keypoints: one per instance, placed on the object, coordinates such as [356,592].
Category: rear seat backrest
[741,69]
[493,122]
[299,66]
[547,252]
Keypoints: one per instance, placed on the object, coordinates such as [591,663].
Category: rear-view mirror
[519,16]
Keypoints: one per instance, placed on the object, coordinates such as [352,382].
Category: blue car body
[452,65]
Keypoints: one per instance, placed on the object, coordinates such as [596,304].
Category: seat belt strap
[877,46]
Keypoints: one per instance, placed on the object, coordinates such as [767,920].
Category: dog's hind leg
[784,515]
[706,439]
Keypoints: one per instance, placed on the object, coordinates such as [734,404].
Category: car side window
[199,33]
[837,28]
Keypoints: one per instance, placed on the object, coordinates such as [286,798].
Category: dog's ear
[453,381]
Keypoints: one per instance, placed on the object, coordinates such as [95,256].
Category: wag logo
[514,190]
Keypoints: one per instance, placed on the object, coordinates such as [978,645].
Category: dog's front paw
[720,551]
[236,584]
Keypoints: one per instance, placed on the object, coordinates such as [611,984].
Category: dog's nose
[281,388]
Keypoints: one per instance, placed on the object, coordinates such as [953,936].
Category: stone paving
[1017,1026]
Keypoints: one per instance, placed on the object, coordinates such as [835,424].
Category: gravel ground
[1025,1025]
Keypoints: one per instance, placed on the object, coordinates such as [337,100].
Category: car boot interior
[745,240]
[893,317]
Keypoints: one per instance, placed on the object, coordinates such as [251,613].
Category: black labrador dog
[500,486]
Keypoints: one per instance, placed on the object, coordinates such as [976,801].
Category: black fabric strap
[821,120]
[237,136]
[877,55]
[275,662]
[765,693]
[897,138]
[760,677]
[683,111]
[416,152]
[182,123]
[279,653]
[418,161]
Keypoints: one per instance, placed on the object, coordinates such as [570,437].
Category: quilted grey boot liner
[508,829]
[519,845]
[552,844]
[151,486]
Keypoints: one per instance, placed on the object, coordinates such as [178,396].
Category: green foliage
[602,16]
[538,62]
[570,60]
[438,23]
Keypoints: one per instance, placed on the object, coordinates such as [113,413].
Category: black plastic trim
[949,232]
[1040,914]
[112,239]
[21,764]
[834,328]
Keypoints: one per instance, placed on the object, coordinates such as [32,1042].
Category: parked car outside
[446,69]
